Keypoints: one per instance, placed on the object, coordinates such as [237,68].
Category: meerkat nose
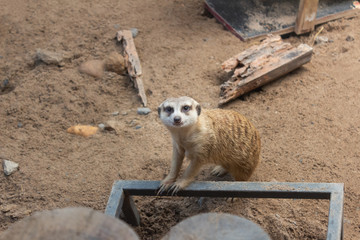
[177,119]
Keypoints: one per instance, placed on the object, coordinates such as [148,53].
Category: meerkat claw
[174,189]
[163,188]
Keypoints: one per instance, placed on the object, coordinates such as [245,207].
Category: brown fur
[221,137]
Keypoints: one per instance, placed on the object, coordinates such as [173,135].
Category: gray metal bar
[330,191]
[132,215]
[236,189]
[116,200]
[335,223]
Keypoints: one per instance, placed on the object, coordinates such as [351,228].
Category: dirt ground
[308,120]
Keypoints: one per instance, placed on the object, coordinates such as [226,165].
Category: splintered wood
[132,62]
[261,64]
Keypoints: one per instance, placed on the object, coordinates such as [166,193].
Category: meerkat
[208,136]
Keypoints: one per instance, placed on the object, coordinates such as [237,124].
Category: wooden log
[69,223]
[132,62]
[261,64]
[306,16]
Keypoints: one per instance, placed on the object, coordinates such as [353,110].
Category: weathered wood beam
[306,16]
[261,64]
[132,62]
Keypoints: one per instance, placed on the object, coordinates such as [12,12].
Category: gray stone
[101,126]
[134,32]
[49,57]
[115,114]
[321,40]
[143,111]
[9,167]
[350,38]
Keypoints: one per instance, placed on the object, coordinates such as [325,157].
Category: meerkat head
[179,112]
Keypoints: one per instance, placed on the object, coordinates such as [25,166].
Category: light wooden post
[306,16]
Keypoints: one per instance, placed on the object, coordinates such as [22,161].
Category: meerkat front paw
[166,184]
[179,185]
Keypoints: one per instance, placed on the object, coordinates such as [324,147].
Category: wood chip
[83,130]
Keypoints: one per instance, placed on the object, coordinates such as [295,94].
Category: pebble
[101,126]
[9,167]
[115,114]
[137,127]
[124,113]
[143,111]
[4,84]
[350,38]
[19,125]
[134,32]
[49,57]
[321,39]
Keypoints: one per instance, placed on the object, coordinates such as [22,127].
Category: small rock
[321,40]
[93,68]
[115,62]
[137,127]
[350,38]
[101,126]
[9,167]
[124,113]
[49,57]
[1,57]
[4,85]
[19,125]
[134,32]
[143,111]
[133,123]
[115,114]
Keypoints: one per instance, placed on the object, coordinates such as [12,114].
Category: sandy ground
[308,120]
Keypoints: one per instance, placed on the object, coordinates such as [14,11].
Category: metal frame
[121,205]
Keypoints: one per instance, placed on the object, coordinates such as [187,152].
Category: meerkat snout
[177,119]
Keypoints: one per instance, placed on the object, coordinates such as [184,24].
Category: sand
[308,119]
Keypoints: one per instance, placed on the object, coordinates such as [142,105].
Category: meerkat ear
[159,110]
[198,109]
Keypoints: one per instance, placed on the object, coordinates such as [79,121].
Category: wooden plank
[261,64]
[132,62]
[306,16]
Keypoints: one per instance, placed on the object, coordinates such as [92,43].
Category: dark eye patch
[169,109]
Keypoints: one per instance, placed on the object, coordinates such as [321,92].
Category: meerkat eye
[186,108]
[169,109]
